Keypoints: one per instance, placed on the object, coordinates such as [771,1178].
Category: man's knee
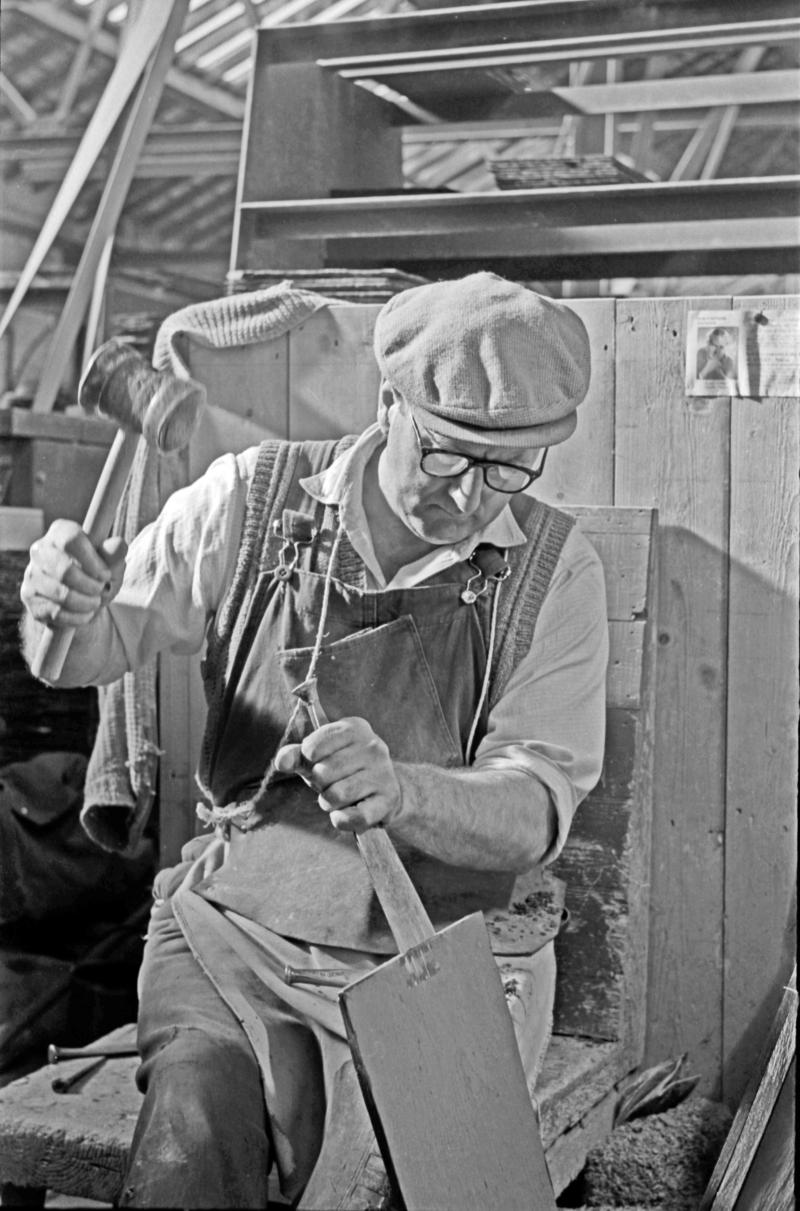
[191,1058]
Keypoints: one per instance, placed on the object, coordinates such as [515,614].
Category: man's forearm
[485,820]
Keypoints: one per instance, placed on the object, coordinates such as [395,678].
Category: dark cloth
[48,865]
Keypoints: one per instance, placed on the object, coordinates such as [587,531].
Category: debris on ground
[662,1160]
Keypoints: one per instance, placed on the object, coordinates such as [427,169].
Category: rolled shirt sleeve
[550,720]
[179,567]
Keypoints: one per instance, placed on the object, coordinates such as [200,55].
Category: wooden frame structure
[320,176]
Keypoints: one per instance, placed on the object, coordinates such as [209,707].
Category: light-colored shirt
[550,720]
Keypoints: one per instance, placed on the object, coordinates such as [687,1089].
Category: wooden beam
[22,109]
[527,128]
[684,92]
[73,27]
[543,210]
[140,116]
[511,52]
[703,153]
[191,151]
[753,1117]
[610,240]
[119,89]
[462,29]
[77,71]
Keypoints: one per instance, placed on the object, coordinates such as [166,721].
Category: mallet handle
[54,645]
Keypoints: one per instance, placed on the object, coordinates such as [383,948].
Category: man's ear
[386,401]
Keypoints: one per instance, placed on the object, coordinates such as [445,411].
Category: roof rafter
[176,151]
[182,82]
[21,108]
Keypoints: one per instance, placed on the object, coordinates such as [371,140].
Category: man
[713,361]
[456,629]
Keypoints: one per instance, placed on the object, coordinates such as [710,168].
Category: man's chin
[443,531]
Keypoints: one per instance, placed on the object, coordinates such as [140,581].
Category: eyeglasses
[501,477]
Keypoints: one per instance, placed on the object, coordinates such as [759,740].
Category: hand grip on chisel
[404,910]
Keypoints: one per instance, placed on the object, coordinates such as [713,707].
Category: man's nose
[467,490]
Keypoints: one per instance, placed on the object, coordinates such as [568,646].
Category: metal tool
[324,977]
[69,1083]
[56,1054]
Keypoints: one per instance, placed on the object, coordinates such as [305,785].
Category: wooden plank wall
[722,474]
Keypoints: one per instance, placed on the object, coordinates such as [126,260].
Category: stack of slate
[557,172]
[349,285]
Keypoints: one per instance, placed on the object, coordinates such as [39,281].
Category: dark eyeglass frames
[501,477]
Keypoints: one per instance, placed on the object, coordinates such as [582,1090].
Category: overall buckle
[296,530]
[488,565]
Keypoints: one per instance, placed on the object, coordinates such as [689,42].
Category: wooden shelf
[769,204]
[321,177]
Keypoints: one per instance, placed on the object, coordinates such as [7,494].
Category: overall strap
[275,488]
[521,596]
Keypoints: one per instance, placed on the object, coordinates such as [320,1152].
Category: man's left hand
[350,768]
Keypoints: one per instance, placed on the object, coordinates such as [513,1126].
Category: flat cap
[485,359]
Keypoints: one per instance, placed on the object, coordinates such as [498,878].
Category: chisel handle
[402,907]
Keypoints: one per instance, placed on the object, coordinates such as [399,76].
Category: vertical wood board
[624,558]
[764,1090]
[672,453]
[625,647]
[249,381]
[770,1181]
[761,828]
[591,949]
[333,375]
[580,470]
[602,950]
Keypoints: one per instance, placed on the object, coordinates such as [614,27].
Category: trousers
[208,1135]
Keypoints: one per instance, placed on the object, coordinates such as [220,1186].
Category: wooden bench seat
[76,1143]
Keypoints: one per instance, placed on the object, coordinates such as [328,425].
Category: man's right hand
[67,580]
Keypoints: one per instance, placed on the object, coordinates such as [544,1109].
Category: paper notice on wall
[773,352]
[715,353]
[751,353]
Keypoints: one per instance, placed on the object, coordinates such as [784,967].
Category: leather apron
[411,662]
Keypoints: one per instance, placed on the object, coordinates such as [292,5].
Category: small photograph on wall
[714,353]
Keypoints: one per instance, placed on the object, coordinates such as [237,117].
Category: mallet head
[121,384]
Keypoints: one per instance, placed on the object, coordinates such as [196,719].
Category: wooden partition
[723,475]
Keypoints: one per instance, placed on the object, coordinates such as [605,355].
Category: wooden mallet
[120,384]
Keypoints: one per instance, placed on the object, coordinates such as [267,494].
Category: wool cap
[485,360]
